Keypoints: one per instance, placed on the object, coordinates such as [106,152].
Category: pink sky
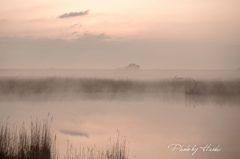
[205,24]
[135,18]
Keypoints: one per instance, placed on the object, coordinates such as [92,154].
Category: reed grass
[115,149]
[20,143]
[38,142]
[99,88]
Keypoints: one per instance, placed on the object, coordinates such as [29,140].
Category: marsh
[153,111]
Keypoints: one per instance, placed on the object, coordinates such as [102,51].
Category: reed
[115,149]
[38,142]
[20,143]
[111,88]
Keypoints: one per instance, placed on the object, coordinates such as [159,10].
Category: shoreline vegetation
[39,142]
[97,88]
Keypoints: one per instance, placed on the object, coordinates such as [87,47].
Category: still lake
[151,125]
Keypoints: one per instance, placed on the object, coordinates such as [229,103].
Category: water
[123,74]
[150,125]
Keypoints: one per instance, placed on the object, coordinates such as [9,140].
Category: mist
[102,52]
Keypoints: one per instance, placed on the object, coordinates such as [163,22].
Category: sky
[108,34]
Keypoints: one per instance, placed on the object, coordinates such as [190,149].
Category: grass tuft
[19,143]
[39,143]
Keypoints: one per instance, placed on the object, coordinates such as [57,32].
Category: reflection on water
[151,124]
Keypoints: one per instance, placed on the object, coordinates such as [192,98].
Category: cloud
[74,133]
[73,14]
[75,25]
[75,32]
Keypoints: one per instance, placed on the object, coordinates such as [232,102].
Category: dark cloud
[73,14]
[75,32]
[74,133]
[75,25]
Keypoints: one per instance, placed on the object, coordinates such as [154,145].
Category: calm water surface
[150,125]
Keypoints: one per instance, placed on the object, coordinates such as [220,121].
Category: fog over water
[122,74]
[150,124]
